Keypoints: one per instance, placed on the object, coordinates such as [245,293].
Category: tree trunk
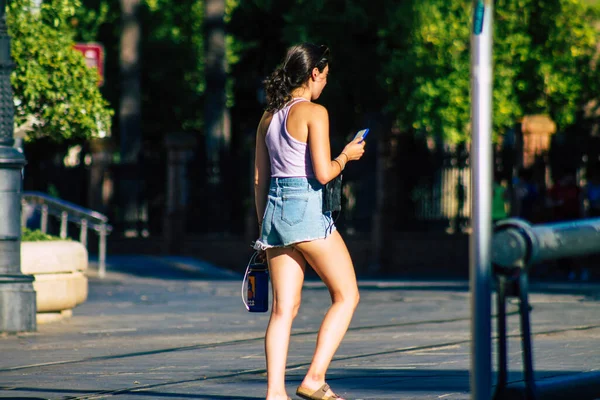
[130,116]
[381,229]
[216,117]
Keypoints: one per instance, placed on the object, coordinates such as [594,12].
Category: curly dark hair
[294,72]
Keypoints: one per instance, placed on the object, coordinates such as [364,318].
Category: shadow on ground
[355,383]
[165,267]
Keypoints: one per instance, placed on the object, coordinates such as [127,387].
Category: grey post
[17,297]
[102,251]
[481,183]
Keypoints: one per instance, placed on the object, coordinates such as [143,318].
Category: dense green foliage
[543,53]
[411,60]
[399,68]
[172,70]
[427,69]
[54,89]
[89,18]
[408,60]
[36,235]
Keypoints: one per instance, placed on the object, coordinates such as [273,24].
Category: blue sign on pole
[478,15]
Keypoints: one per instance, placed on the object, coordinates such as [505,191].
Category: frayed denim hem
[258,245]
[261,246]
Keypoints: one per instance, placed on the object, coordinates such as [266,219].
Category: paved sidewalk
[148,331]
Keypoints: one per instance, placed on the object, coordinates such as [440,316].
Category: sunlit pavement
[146,333]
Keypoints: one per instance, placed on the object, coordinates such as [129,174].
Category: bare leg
[331,260]
[286,268]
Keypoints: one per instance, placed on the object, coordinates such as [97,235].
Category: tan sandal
[319,394]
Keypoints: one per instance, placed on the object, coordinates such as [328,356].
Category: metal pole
[527,350]
[83,232]
[102,252]
[23,215]
[502,345]
[17,297]
[63,224]
[481,184]
[44,219]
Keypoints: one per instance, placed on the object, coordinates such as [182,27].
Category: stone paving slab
[190,338]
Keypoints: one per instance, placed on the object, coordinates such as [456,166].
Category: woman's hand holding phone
[362,134]
[355,149]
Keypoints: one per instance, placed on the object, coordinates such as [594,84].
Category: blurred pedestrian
[592,192]
[293,163]
[527,195]
[565,198]
[499,198]
[591,195]
[565,203]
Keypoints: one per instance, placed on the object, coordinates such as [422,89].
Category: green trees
[425,46]
[543,63]
[56,94]
[405,64]
[410,59]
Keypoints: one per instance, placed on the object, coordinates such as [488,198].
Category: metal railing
[447,198]
[516,247]
[69,212]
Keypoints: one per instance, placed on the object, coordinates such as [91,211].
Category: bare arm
[318,140]
[262,172]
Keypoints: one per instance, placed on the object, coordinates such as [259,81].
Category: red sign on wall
[94,57]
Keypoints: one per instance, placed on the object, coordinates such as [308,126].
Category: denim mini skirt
[294,213]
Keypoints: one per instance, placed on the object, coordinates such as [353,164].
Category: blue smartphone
[362,134]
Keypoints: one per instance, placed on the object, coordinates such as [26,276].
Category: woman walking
[293,163]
